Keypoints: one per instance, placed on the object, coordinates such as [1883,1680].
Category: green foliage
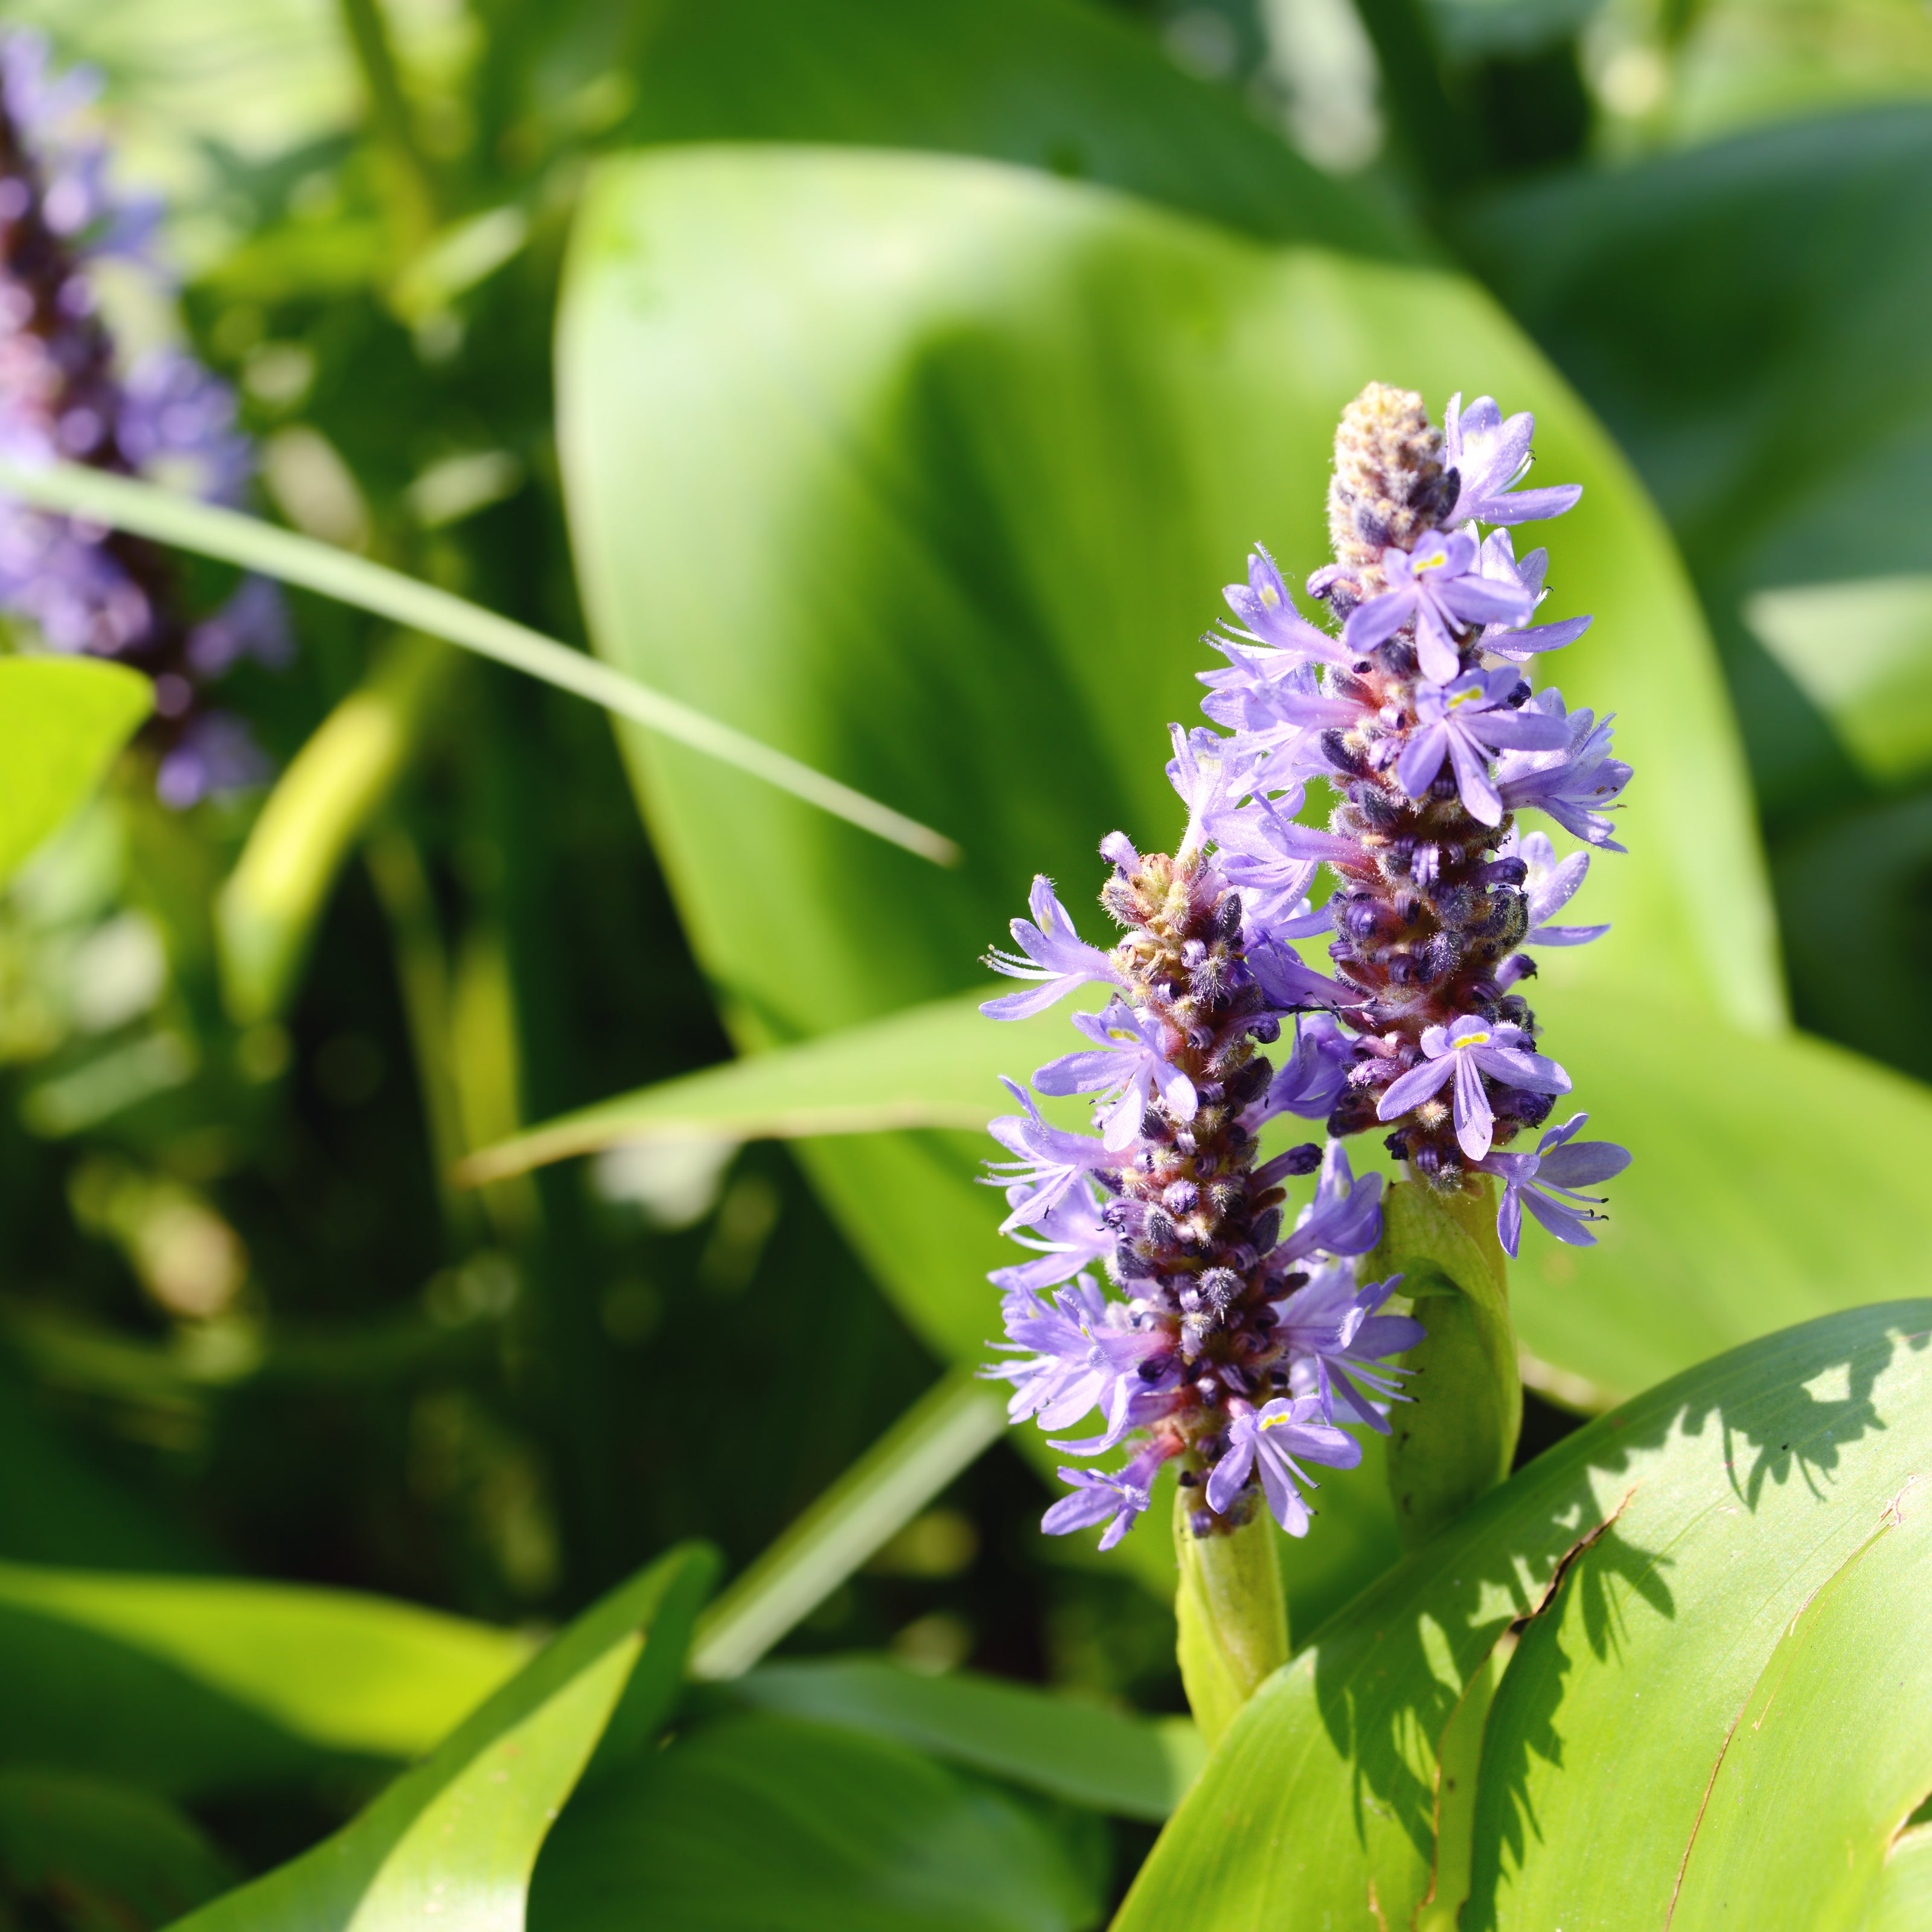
[1082,1752]
[460,1832]
[1707,1583]
[769,1824]
[62,720]
[185,1685]
[1231,1621]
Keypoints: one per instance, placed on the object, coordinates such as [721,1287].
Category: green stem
[1231,1613]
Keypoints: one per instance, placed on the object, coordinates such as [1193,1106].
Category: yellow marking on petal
[1268,597]
[1471,1040]
[1274,1421]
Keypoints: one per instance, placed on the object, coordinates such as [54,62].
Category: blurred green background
[249,1326]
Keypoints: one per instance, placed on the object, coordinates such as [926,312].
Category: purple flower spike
[1491,458]
[1547,1181]
[1465,1052]
[1436,588]
[1116,1497]
[1270,1438]
[1051,951]
[1573,785]
[1080,1353]
[1464,722]
[1341,1341]
[1499,563]
[1127,1066]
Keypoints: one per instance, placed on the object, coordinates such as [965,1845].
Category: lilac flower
[1547,1181]
[1289,985]
[1311,1081]
[1499,562]
[1066,1236]
[1339,1341]
[1270,1438]
[1054,952]
[1549,885]
[1345,1217]
[1127,1066]
[1572,784]
[1050,1161]
[1465,1052]
[1490,457]
[1115,1497]
[1436,588]
[1464,722]
[1272,860]
[1268,614]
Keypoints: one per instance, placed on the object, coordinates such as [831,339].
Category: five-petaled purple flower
[1268,1439]
[1051,951]
[1436,588]
[1465,722]
[1341,1339]
[1490,457]
[1116,1497]
[1464,1052]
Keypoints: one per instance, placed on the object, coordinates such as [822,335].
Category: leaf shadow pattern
[1325,1803]
[1796,1430]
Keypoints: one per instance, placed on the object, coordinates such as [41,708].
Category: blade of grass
[164,517]
[942,1434]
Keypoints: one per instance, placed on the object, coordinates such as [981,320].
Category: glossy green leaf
[1743,1528]
[194,1687]
[96,1857]
[1901,1901]
[123,503]
[458,1834]
[766,1824]
[1133,1767]
[62,721]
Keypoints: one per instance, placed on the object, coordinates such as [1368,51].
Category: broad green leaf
[1133,1767]
[121,502]
[194,1686]
[943,1433]
[1901,1901]
[62,721]
[1451,1445]
[767,1824]
[459,1833]
[97,1857]
[1051,84]
[1664,1562]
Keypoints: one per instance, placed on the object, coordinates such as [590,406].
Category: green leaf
[122,503]
[1901,1901]
[1664,1562]
[459,1833]
[98,1857]
[1455,1441]
[194,1687]
[62,721]
[1133,1767]
[764,1824]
